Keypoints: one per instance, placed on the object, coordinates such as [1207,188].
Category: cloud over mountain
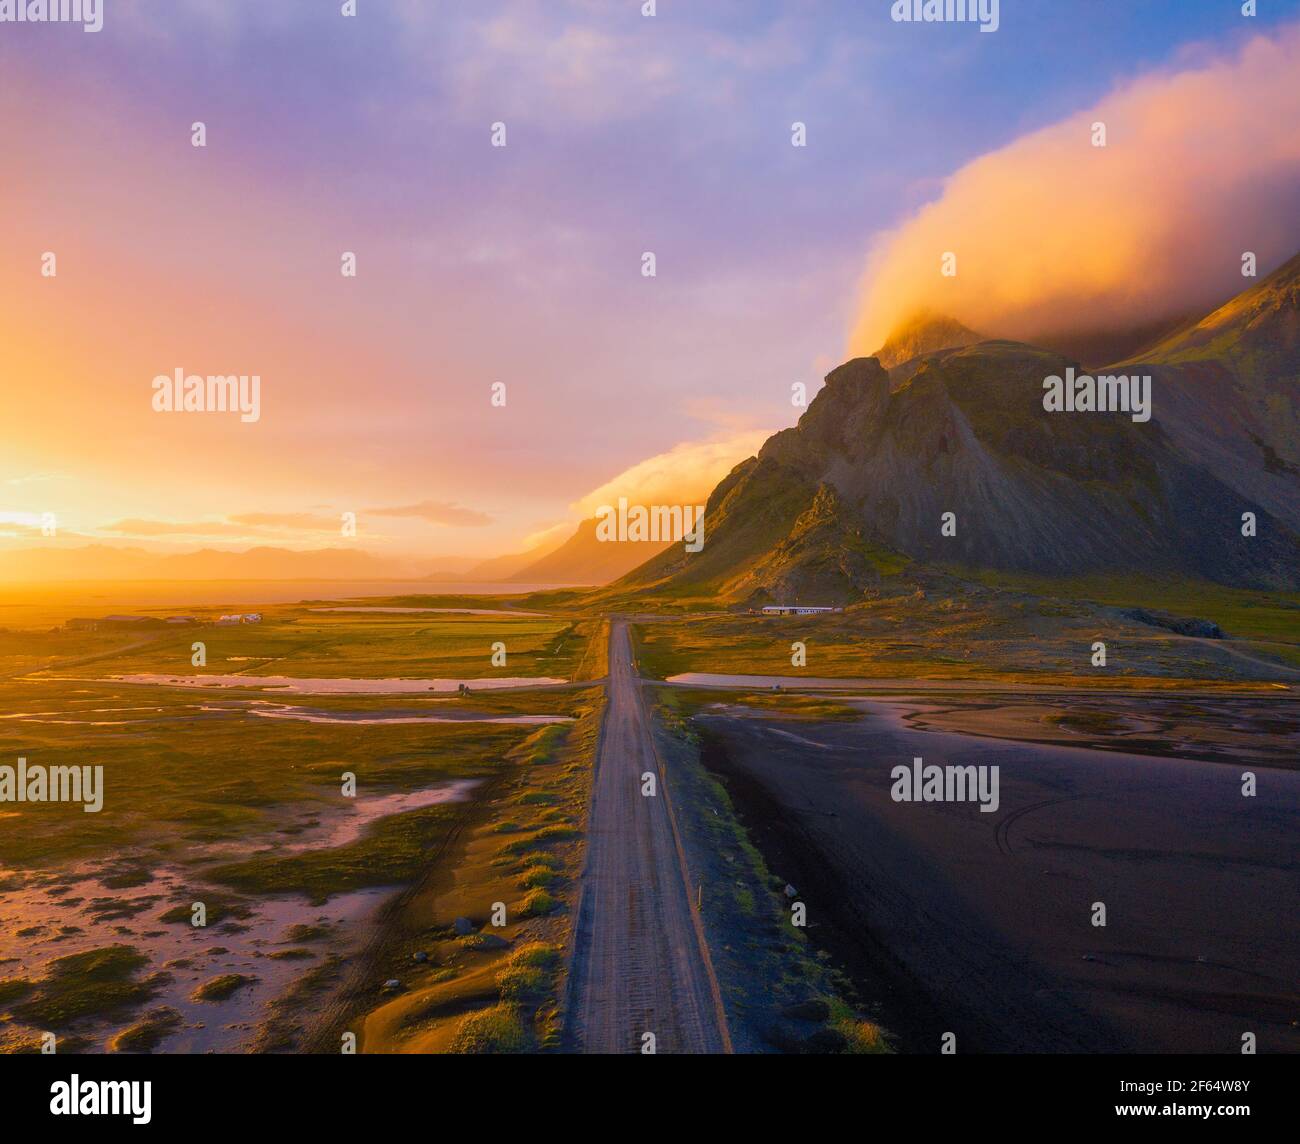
[683,474]
[1201,163]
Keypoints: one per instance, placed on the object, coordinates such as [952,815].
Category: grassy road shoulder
[471,960]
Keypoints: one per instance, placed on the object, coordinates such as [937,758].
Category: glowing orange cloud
[1053,233]
[685,474]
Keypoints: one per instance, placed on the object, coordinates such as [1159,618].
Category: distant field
[991,636]
[297,641]
[1242,613]
[37,605]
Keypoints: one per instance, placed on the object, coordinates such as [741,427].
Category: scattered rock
[419,955]
[392,985]
[463,927]
[790,891]
[1182,625]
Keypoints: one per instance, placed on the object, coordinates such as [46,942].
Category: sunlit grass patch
[537,903]
[499,1029]
[537,954]
[538,878]
[519,983]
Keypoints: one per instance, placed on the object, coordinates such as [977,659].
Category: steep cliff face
[864,482]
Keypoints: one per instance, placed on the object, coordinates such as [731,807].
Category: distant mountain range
[107,562]
[859,488]
[579,560]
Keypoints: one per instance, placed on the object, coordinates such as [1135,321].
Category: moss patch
[221,988]
[146,1034]
[89,984]
[393,850]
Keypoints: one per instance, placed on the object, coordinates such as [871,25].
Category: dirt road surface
[641,964]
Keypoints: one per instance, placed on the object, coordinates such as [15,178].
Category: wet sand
[307,715]
[50,914]
[291,685]
[981,923]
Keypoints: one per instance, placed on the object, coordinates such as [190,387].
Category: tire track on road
[640,963]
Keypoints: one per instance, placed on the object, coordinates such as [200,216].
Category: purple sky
[477,264]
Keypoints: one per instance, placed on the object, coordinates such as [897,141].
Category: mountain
[1230,390]
[498,568]
[859,487]
[585,559]
[1095,348]
[925,332]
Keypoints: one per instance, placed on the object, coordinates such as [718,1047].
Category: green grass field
[1017,631]
[1272,618]
[304,643]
